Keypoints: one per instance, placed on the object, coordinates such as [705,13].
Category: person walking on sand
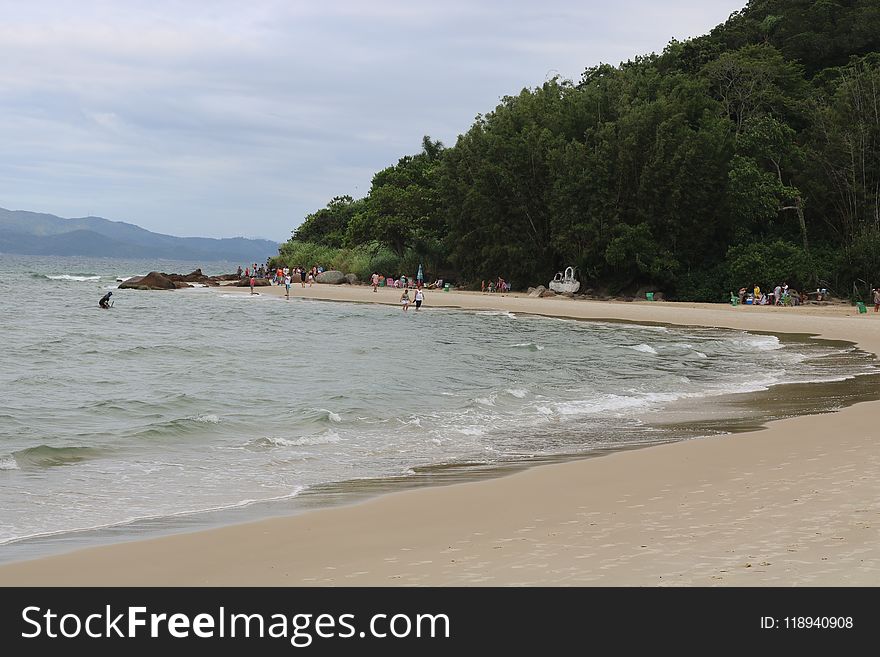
[877,299]
[375,281]
[420,296]
[404,300]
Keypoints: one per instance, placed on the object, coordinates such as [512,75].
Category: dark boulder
[152,281]
[331,277]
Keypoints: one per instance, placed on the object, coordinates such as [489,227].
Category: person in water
[105,300]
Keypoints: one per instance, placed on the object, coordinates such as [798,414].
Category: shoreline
[681,513]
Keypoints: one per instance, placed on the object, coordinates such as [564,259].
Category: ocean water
[174,406]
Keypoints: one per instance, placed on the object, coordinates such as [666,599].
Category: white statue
[565,283]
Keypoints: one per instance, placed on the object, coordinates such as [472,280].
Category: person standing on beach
[253,282]
[287,284]
[876,299]
[420,296]
[302,276]
[404,299]
[375,281]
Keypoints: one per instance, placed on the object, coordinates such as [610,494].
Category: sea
[181,410]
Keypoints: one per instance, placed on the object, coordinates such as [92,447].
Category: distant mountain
[32,233]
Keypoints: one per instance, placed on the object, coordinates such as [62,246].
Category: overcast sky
[224,117]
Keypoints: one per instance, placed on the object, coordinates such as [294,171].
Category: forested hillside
[748,155]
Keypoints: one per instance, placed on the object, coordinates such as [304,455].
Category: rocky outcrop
[547,293]
[351,279]
[331,277]
[194,277]
[153,281]
[536,292]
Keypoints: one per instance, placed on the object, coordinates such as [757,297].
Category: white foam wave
[8,463]
[325,438]
[71,277]
[644,348]
[207,419]
[486,401]
[470,431]
[519,393]
[333,417]
[498,313]
[759,343]
[528,345]
[700,354]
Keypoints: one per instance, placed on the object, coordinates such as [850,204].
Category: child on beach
[404,300]
[375,282]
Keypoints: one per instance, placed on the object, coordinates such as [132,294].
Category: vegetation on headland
[748,155]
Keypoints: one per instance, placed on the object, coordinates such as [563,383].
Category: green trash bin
[446,287]
[861,305]
[649,296]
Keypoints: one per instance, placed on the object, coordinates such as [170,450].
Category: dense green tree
[329,225]
[748,154]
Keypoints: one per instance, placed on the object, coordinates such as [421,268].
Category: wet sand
[793,504]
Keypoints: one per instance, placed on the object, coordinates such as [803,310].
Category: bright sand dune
[795,504]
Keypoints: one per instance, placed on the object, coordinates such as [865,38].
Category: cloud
[204,118]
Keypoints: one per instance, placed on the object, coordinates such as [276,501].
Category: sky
[226,118]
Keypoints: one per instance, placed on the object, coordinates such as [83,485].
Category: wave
[497,313]
[9,463]
[44,456]
[519,393]
[176,427]
[759,343]
[528,345]
[205,419]
[268,442]
[315,417]
[72,277]
[644,348]
[297,490]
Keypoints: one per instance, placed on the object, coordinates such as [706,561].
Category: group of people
[281,275]
[781,295]
[499,285]
[404,281]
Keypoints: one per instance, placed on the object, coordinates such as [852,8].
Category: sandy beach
[793,504]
